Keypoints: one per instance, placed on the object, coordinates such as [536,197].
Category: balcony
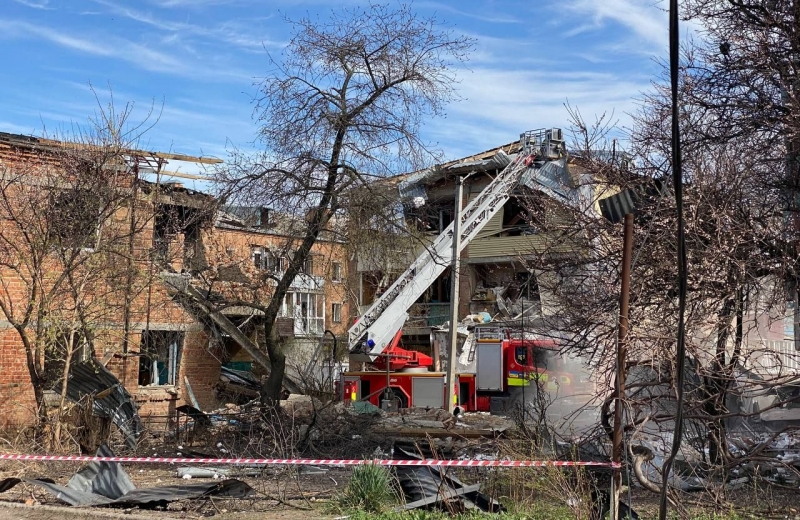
[422,314]
[428,315]
[309,326]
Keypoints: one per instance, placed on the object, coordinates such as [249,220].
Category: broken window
[519,219]
[336,272]
[336,312]
[527,286]
[173,220]
[56,352]
[166,227]
[74,217]
[433,217]
[194,253]
[308,312]
[159,358]
[267,260]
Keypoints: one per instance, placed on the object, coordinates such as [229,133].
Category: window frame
[336,272]
[175,346]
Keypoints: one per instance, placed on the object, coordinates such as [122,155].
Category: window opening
[336,272]
[159,358]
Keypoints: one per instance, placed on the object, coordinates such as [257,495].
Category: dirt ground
[282,493]
[14,511]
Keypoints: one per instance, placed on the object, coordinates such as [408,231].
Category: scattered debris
[107,484]
[433,486]
[215,473]
[238,386]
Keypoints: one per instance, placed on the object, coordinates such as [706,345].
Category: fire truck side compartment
[428,392]
[489,366]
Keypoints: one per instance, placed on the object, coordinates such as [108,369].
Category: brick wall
[17,404]
[152,306]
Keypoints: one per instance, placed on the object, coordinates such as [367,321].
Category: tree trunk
[716,386]
[271,389]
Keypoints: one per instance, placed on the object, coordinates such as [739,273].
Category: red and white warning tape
[313,462]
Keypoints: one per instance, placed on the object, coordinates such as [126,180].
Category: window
[258,255]
[526,286]
[336,272]
[274,262]
[336,312]
[266,260]
[521,355]
[518,219]
[55,355]
[308,266]
[166,227]
[74,217]
[159,358]
[307,310]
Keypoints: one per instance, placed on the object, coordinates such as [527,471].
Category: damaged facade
[495,279]
[122,307]
[499,280]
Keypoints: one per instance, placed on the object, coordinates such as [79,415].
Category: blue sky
[198,62]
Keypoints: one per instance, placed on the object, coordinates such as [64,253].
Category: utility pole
[622,206]
[455,275]
[622,350]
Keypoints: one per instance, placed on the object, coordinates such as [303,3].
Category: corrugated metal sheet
[107,484]
[90,378]
[553,179]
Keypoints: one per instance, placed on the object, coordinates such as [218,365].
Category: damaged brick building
[99,259]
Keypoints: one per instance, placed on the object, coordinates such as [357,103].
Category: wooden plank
[182,157]
[438,432]
[28,141]
[192,176]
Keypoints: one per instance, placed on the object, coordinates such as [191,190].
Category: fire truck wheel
[400,396]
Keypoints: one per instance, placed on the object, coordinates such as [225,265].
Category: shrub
[371,489]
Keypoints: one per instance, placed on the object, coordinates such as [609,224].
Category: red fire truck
[507,369]
[504,366]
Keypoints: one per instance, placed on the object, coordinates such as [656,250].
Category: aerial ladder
[375,337]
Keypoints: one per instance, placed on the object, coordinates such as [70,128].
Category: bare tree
[738,253]
[62,242]
[341,108]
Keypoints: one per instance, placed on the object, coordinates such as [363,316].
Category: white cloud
[13,128]
[481,15]
[231,32]
[647,21]
[36,4]
[142,56]
[190,3]
[500,104]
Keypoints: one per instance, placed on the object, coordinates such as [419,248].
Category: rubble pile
[774,457]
